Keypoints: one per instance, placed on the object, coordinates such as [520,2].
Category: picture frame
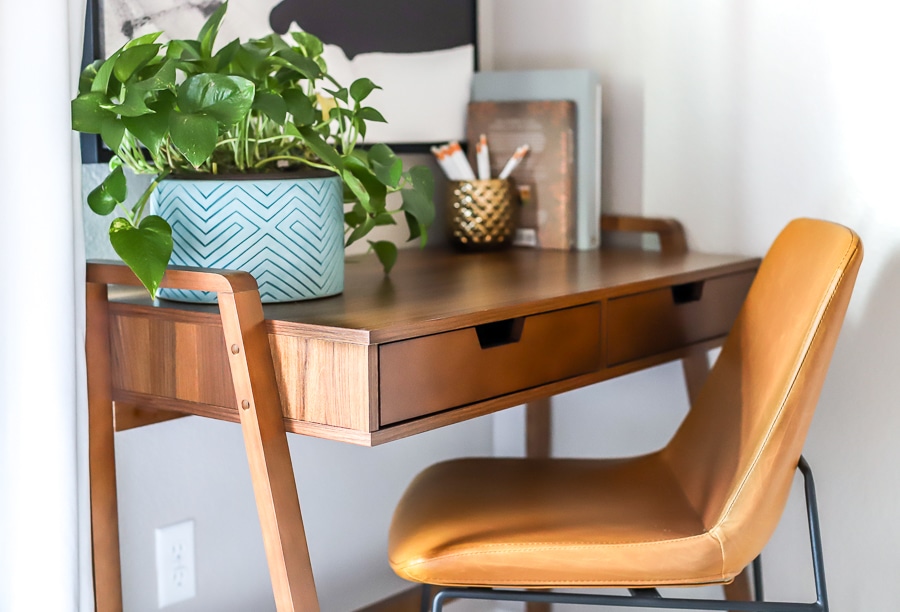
[422,54]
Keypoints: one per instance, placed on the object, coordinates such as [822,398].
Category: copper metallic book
[546,177]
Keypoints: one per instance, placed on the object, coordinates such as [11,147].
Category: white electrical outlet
[175,572]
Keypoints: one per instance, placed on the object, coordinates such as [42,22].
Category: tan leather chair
[696,512]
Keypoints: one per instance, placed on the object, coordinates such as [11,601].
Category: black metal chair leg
[425,606]
[815,535]
[758,579]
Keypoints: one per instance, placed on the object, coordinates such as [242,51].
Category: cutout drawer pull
[499,333]
[687,292]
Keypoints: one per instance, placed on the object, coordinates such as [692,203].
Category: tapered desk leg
[262,423]
[538,431]
[102,455]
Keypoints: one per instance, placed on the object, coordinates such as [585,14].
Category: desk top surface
[436,290]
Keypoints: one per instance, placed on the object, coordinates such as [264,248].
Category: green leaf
[309,44]
[387,254]
[183,50]
[134,104]
[361,230]
[386,166]
[358,189]
[291,130]
[88,112]
[111,192]
[112,131]
[227,98]
[423,181]
[248,59]
[340,94]
[272,105]
[210,30]
[104,74]
[361,88]
[356,215]
[87,76]
[322,149]
[416,204]
[415,228]
[116,185]
[151,130]
[144,39]
[133,59]
[226,54]
[299,106]
[385,218]
[163,78]
[303,65]
[376,191]
[370,114]
[145,249]
[194,135]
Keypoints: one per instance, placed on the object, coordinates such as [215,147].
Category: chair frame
[651,598]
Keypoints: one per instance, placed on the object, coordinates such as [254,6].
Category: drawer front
[433,373]
[665,319]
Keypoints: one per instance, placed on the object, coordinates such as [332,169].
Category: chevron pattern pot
[287,232]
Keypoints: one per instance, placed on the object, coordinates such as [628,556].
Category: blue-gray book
[582,87]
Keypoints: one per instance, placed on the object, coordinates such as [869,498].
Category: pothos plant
[262,106]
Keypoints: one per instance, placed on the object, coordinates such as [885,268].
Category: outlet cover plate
[175,570]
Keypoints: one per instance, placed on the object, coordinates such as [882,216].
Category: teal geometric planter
[287,232]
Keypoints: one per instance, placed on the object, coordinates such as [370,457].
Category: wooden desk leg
[102,455]
[696,369]
[259,405]
[538,429]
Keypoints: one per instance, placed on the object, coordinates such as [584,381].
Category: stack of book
[558,114]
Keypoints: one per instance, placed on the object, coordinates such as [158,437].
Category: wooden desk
[446,338]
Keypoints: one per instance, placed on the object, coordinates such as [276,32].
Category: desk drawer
[665,319]
[425,375]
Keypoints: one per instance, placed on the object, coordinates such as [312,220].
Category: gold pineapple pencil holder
[481,213]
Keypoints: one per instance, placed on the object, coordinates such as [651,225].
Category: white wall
[735,117]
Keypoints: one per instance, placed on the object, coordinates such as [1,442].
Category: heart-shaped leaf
[309,45]
[194,135]
[87,76]
[133,59]
[145,249]
[89,112]
[303,65]
[387,254]
[112,131]
[361,230]
[111,192]
[272,105]
[361,88]
[373,187]
[163,78]
[370,114]
[227,98]
[299,106]
[386,166]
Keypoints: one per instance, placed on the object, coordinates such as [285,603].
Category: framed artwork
[422,53]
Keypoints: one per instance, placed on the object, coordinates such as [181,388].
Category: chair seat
[575,522]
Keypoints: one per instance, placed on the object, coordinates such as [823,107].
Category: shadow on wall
[853,446]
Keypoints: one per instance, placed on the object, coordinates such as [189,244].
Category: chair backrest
[737,450]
